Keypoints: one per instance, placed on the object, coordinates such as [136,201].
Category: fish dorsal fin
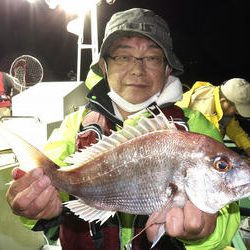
[145,125]
[87,213]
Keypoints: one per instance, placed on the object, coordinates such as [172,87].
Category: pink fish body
[143,169]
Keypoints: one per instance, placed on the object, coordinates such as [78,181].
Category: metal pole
[79,46]
[94,32]
[94,39]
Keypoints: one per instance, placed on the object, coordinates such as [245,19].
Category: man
[6,88]
[220,104]
[9,86]
[138,67]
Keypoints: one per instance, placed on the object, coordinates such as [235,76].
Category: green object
[92,79]
[238,242]
[245,203]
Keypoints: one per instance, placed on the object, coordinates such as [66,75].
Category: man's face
[228,107]
[136,81]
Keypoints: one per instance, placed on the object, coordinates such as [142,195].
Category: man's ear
[103,66]
[168,71]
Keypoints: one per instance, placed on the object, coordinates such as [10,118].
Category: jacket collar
[99,101]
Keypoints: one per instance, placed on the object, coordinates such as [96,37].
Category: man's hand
[185,223]
[33,196]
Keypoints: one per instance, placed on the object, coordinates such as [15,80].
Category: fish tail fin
[28,156]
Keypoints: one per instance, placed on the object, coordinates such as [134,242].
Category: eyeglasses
[151,62]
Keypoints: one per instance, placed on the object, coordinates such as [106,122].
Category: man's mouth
[137,85]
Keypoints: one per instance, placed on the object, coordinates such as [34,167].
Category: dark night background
[210,37]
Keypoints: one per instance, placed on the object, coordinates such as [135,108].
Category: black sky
[211,38]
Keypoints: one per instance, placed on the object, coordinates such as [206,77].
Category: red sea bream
[143,169]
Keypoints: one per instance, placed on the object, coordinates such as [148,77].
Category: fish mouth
[239,183]
[242,191]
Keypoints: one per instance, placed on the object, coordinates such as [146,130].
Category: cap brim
[243,110]
[177,67]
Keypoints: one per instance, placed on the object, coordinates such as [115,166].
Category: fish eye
[222,164]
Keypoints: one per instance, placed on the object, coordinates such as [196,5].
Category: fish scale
[129,178]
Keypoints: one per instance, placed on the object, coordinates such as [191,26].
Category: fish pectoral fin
[161,231]
[159,234]
[87,213]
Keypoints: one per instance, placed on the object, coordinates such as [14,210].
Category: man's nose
[137,67]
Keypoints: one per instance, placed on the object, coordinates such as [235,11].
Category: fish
[142,169]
